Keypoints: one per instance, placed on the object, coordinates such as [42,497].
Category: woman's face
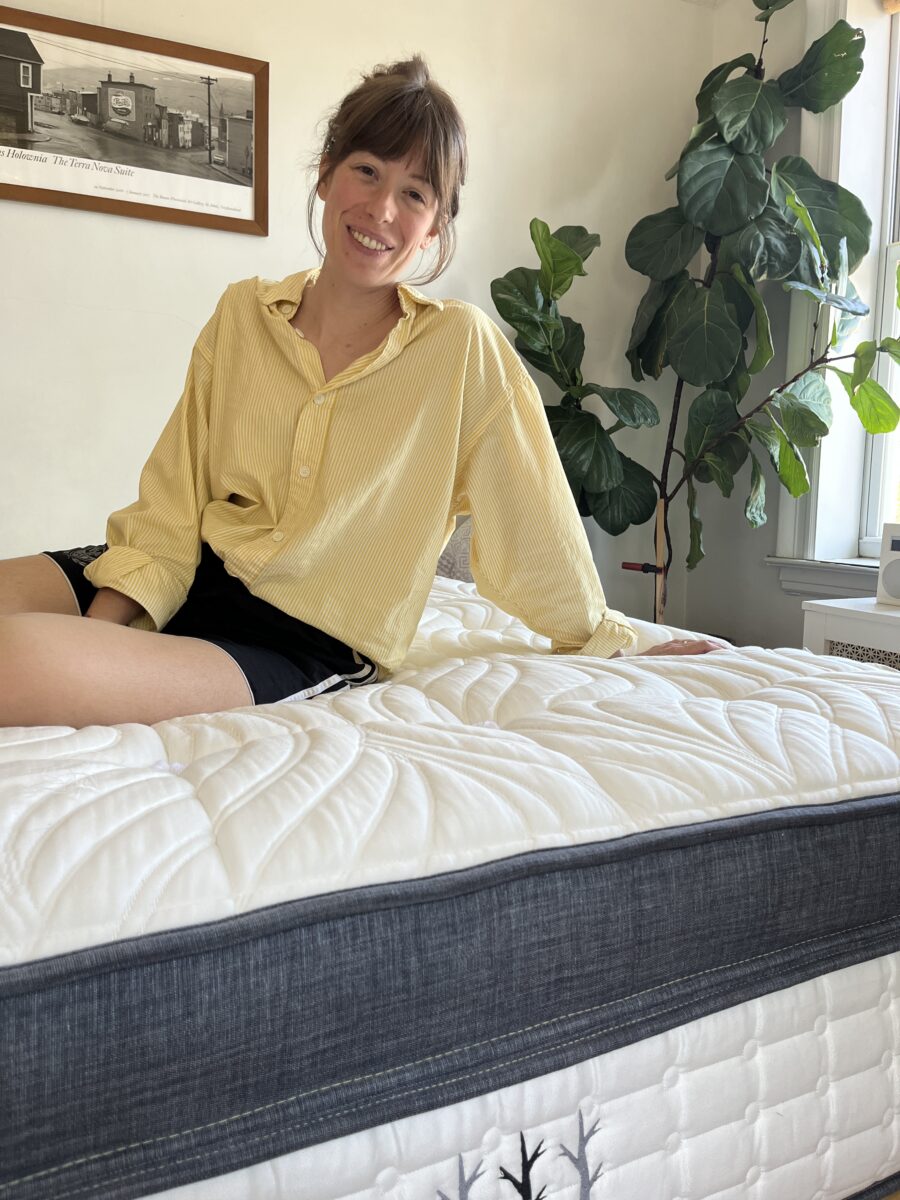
[379,215]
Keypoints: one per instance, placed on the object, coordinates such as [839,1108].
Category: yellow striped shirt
[333,501]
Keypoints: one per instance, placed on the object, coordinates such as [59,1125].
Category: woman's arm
[154,543]
[529,551]
[113,606]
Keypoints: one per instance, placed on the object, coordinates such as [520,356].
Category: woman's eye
[366,169]
[418,197]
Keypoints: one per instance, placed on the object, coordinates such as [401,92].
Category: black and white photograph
[95,123]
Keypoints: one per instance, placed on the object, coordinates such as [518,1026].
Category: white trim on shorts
[315,689]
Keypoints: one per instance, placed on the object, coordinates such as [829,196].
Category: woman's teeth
[368,242]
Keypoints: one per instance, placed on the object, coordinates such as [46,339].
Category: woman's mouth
[365,240]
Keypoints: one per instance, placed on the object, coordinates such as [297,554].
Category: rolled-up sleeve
[529,551]
[154,544]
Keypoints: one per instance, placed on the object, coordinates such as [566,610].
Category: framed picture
[121,123]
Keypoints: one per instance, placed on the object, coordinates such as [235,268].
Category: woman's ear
[325,169]
[434,232]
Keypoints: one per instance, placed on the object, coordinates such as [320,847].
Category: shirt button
[319,399]
[278,536]
[285,307]
[304,471]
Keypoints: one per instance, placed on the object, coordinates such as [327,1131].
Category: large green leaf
[724,462]
[648,349]
[806,409]
[711,415]
[740,306]
[809,235]
[544,360]
[847,304]
[571,352]
[695,554]
[633,409]
[764,352]
[846,322]
[785,456]
[828,70]
[720,190]
[864,360]
[835,212]
[632,502]
[891,346]
[705,343]
[767,248]
[714,81]
[749,113]
[738,382]
[875,408]
[663,244]
[755,508]
[560,362]
[519,301]
[770,6]
[699,134]
[577,238]
[517,295]
[559,262]
[587,453]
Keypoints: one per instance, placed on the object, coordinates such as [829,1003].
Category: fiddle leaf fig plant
[762,221]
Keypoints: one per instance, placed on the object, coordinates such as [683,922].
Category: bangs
[407,126]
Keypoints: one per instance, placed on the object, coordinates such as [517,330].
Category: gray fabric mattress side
[143,1064]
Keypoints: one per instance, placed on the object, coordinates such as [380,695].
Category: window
[881,492]
[826,542]
[25,75]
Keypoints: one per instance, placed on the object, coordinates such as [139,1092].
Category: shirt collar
[290,291]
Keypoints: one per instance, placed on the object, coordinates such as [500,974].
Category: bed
[510,923]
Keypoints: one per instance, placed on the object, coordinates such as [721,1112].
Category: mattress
[471,931]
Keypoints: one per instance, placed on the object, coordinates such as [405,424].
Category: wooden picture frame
[173,132]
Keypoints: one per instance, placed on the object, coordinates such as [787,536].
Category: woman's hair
[398,111]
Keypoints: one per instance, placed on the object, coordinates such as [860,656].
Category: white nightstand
[859,628]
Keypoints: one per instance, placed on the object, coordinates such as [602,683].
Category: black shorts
[281,658]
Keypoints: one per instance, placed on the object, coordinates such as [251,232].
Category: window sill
[844,577]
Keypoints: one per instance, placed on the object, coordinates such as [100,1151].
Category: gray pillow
[454,560]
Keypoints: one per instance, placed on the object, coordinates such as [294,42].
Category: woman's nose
[381,204]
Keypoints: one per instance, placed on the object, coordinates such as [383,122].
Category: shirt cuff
[141,578]
[612,634]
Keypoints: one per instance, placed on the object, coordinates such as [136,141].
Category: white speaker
[889,571]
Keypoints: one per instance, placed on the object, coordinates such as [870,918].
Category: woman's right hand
[113,606]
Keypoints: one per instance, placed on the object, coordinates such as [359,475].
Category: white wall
[574,114]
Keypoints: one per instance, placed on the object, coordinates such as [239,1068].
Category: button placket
[306,456]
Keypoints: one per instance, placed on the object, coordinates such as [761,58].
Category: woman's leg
[35,584]
[67,670]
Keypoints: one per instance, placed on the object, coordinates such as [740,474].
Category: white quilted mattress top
[483,746]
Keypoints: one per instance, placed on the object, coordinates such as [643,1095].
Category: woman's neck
[332,309]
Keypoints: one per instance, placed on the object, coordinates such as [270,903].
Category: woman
[332,427]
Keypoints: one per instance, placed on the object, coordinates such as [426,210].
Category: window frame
[26,68]
[885,308]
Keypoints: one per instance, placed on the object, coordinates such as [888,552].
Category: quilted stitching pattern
[482,746]
[793,1096]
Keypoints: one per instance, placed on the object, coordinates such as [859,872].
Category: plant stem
[812,349]
[759,70]
[709,277]
[670,441]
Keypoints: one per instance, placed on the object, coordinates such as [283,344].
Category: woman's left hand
[688,646]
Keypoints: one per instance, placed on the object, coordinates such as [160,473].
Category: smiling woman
[333,427]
